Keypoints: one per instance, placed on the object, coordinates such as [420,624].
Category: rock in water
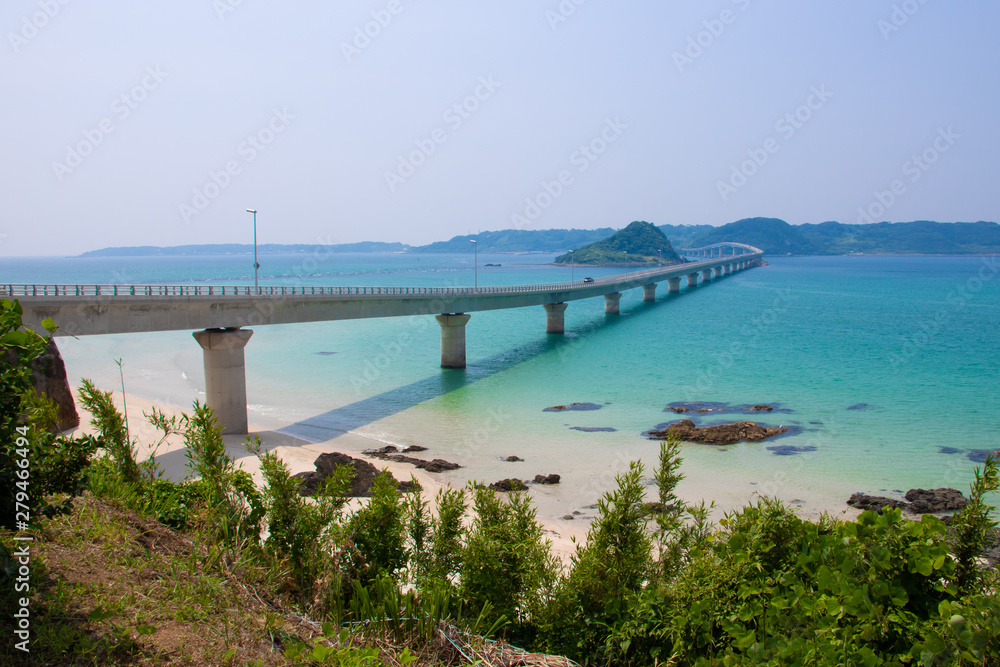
[927,501]
[48,375]
[724,434]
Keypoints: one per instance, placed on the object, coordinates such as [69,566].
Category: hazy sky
[159,123]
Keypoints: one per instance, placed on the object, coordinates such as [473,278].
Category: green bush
[506,562]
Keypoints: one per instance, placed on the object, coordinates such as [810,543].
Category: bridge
[218,315]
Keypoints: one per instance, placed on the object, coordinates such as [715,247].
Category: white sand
[729,494]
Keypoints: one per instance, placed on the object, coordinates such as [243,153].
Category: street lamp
[660,253]
[475,249]
[626,261]
[256,266]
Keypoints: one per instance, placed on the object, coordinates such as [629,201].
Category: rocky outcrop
[511,459]
[928,501]
[388,453]
[723,434]
[921,501]
[593,429]
[678,410]
[364,475]
[760,408]
[48,375]
[863,501]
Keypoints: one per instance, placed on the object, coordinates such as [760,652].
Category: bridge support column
[706,275]
[649,292]
[453,339]
[718,272]
[692,279]
[673,285]
[611,303]
[555,318]
[225,376]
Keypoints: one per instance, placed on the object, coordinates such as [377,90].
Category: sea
[884,370]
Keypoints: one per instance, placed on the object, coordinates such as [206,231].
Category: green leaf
[49,324]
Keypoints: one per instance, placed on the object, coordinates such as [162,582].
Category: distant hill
[773,236]
[777,237]
[519,240]
[640,243]
[245,249]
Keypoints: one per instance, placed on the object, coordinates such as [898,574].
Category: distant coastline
[776,237]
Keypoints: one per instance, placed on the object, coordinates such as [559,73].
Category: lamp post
[626,262]
[660,253]
[475,250]
[256,266]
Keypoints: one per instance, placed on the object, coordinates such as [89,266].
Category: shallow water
[908,342]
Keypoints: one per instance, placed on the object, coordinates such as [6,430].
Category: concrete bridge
[219,314]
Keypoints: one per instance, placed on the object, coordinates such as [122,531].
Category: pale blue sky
[198,81]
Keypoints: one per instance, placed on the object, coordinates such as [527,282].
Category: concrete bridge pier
[225,375]
[649,293]
[453,339]
[692,279]
[611,303]
[706,275]
[674,285]
[718,272]
[555,318]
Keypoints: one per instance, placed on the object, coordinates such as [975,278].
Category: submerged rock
[574,406]
[723,434]
[789,450]
[860,406]
[594,429]
[760,408]
[678,410]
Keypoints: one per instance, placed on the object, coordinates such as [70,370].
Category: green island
[114,565]
[641,243]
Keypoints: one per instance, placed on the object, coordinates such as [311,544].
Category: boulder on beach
[723,434]
[928,501]
[435,465]
[511,459]
[512,484]
[863,501]
[546,479]
[364,475]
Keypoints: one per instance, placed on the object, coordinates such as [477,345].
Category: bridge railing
[111,290]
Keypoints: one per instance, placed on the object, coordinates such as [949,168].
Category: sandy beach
[728,494]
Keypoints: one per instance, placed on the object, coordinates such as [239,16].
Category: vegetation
[638,244]
[217,570]
[777,237]
[519,240]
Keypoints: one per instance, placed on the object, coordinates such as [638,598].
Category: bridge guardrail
[108,290]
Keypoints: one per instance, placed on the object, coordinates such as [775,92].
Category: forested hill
[777,237]
[640,243]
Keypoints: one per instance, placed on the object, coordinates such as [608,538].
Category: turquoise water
[908,342]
